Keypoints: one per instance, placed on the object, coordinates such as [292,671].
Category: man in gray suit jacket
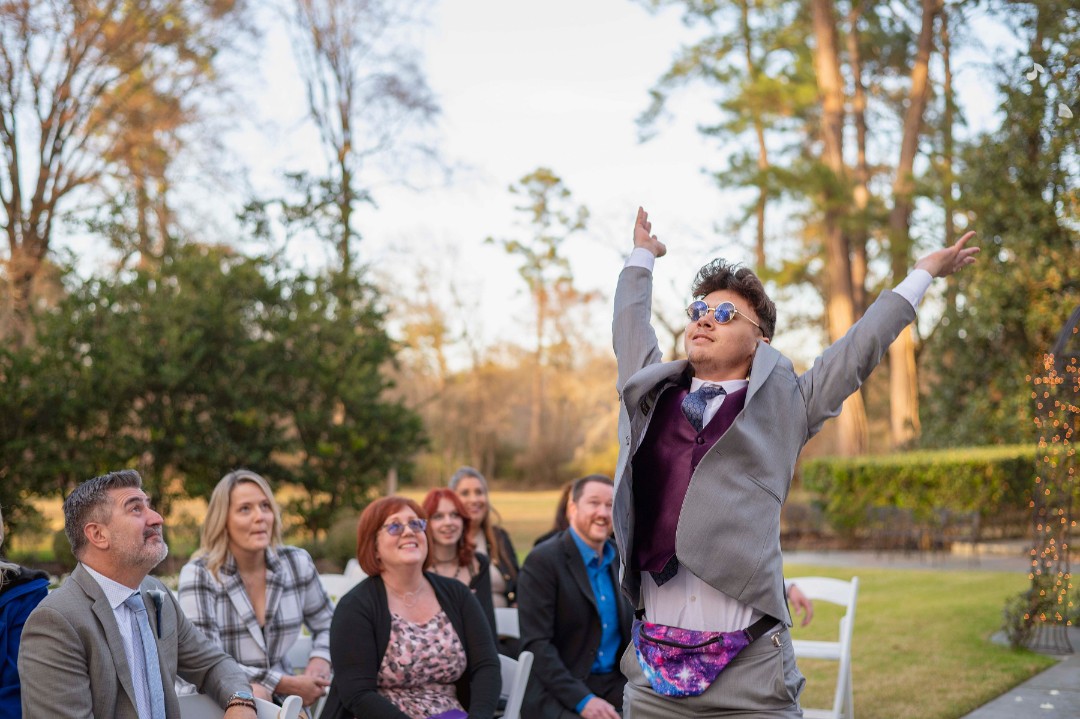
[82,650]
[708,450]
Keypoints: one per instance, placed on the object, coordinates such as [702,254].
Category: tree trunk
[903,377]
[861,189]
[947,177]
[752,73]
[840,304]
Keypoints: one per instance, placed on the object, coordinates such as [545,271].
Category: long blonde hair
[214,540]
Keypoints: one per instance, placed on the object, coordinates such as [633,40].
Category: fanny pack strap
[758,629]
[754,632]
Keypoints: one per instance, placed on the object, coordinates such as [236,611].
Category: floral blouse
[421,664]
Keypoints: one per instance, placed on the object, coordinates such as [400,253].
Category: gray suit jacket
[72,661]
[729,526]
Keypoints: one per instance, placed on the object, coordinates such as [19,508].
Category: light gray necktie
[146,672]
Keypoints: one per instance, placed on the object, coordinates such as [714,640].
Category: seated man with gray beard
[111,641]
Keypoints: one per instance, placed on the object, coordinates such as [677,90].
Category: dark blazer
[560,625]
[360,634]
[508,564]
[72,661]
[481,587]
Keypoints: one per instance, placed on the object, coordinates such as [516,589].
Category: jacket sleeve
[632,334]
[356,656]
[845,364]
[539,584]
[484,667]
[53,668]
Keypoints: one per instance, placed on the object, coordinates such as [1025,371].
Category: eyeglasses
[395,529]
[723,313]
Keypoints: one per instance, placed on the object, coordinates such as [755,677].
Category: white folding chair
[354,572]
[834,591]
[506,622]
[337,585]
[200,706]
[515,676]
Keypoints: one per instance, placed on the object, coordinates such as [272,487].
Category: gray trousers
[761,683]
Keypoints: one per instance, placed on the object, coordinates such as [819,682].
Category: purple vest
[663,466]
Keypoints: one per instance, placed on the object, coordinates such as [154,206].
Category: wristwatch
[241,699]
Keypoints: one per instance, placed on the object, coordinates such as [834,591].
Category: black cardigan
[360,633]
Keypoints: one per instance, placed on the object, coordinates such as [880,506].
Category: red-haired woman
[452,554]
[405,643]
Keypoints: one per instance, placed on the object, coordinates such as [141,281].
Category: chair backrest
[354,571]
[299,653]
[515,676]
[289,709]
[200,706]
[337,585]
[844,594]
[506,622]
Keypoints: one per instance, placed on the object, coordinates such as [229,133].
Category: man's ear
[765,340]
[97,534]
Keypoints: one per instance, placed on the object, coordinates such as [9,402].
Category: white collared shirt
[116,594]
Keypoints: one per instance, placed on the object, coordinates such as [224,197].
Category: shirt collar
[729,385]
[589,554]
[115,592]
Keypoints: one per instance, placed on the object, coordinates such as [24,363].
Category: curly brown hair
[720,275]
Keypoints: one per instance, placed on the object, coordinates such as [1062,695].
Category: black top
[481,587]
[508,563]
[360,633]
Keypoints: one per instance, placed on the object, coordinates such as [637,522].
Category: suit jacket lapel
[234,585]
[577,569]
[107,619]
[621,605]
[765,358]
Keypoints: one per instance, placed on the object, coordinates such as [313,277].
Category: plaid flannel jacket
[223,612]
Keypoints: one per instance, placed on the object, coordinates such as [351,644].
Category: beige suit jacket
[72,662]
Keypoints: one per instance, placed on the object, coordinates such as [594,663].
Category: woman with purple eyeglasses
[407,643]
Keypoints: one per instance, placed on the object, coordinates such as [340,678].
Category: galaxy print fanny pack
[684,662]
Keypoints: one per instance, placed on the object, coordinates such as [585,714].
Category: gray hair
[464,472]
[89,503]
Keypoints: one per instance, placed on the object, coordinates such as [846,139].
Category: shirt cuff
[913,287]
[641,257]
[581,704]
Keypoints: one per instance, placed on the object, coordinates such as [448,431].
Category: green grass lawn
[921,643]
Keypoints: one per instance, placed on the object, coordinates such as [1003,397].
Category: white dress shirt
[116,593]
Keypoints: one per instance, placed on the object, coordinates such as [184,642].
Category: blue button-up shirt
[597,566]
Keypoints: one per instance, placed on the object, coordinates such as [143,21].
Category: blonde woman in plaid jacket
[250,594]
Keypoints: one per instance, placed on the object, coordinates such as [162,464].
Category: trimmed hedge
[993,483]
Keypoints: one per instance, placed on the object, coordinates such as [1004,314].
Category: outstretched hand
[948,260]
[643,236]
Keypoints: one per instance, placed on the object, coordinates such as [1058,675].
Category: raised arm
[632,334]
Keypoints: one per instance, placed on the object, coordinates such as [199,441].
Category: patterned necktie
[693,406]
[146,672]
